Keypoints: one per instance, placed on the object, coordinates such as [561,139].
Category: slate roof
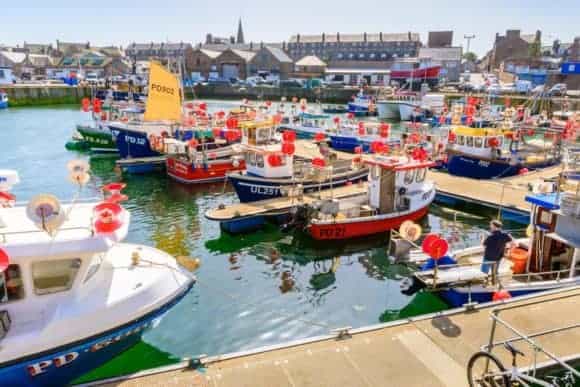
[372,37]
[443,53]
[311,60]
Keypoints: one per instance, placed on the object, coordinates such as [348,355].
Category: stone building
[201,63]
[440,39]
[163,52]
[361,47]
[449,58]
[574,50]
[25,65]
[514,45]
[310,67]
[272,60]
[233,63]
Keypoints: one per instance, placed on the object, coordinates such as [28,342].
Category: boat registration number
[333,232]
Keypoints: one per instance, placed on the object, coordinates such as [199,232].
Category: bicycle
[495,374]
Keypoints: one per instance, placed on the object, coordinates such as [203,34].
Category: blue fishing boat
[3,100]
[548,259]
[72,296]
[486,153]
[270,171]
[362,105]
[349,137]
[307,124]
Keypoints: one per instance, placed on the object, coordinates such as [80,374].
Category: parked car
[290,83]
[219,81]
[559,89]
[538,89]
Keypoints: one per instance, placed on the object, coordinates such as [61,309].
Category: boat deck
[263,207]
[430,350]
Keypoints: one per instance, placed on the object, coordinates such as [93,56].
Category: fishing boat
[548,259]
[3,99]
[334,109]
[488,153]
[398,191]
[416,109]
[428,75]
[362,105]
[360,137]
[193,162]
[307,124]
[388,108]
[271,167]
[72,296]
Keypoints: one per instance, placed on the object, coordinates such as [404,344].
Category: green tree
[470,56]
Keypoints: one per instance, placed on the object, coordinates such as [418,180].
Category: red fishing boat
[193,163]
[398,190]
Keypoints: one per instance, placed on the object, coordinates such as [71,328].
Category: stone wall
[31,95]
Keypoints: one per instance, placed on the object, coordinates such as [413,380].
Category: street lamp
[468,37]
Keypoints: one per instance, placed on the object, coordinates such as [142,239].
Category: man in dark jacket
[495,245]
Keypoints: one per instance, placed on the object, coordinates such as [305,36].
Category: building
[202,63]
[449,58]
[69,48]
[271,60]
[25,65]
[6,76]
[360,47]
[354,76]
[440,39]
[514,45]
[38,48]
[310,67]
[240,37]
[162,52]
[574,50]
[89,62]
[233,63]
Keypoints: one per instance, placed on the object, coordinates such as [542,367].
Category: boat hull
[3,104]
[132,143]
[406,110]
[60,366]
[361,227]
[388,110]
[188,173]
[251,189]
[98,140]
[467,166]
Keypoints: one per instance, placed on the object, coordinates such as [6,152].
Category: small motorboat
[307,124]
[398,191]
[362,105]
[72,295]
[548,259]
[362,136]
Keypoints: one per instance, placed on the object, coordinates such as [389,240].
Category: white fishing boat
[72,296]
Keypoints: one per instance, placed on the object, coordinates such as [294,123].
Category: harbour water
[253,290]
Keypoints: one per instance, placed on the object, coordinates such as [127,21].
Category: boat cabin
[554,247]
[480,142]
[394,183]
[263,153]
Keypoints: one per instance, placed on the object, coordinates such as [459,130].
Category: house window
[54,276]
[383,55]
[339,55]
[11,286]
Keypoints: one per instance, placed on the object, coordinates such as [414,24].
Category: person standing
[495,245]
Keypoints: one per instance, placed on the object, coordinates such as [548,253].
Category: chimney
[538,36]
[284,45]
[338,36]
[251,46]
[381,36]
[298,38]
[323,37]
[365,36]
[409,35]
[261,44]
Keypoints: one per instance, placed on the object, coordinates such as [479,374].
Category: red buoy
[501,295]
[4,260]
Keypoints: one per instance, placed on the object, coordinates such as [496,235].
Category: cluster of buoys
[274,160]
[288,139]
[86,105]
[435,246]
[379,147]
[419,154]
[318,162]
[113,190]
[384,130]
[319,137]
[361,129]
[4,260]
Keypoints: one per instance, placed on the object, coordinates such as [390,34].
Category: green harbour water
[252,290]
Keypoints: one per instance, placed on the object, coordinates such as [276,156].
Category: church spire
[240,39]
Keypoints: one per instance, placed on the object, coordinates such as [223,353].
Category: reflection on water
[252,290]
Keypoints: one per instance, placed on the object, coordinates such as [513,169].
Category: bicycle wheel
[484,369]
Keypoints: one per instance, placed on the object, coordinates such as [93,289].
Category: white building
[6,76]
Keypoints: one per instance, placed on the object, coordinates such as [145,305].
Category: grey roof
[246,55]
[212,54]
[279,54]
[371,37]
[14,57]
[157,46]
[443,53]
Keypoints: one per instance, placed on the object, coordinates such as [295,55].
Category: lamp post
[468,37]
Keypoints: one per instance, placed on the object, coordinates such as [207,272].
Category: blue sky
[121,22]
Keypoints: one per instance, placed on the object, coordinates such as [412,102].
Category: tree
[470,56]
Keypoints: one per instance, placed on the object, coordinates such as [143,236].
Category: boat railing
[529,338]
[6,234]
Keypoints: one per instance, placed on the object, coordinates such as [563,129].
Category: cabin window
[478,141]
[469,141]
[260,161]
[409,175]
[54,276]
[421,174]
[461,140]
[544,218]
[11,286]
[94,267]
[252,159]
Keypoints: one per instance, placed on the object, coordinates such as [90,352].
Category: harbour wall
[36,95]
